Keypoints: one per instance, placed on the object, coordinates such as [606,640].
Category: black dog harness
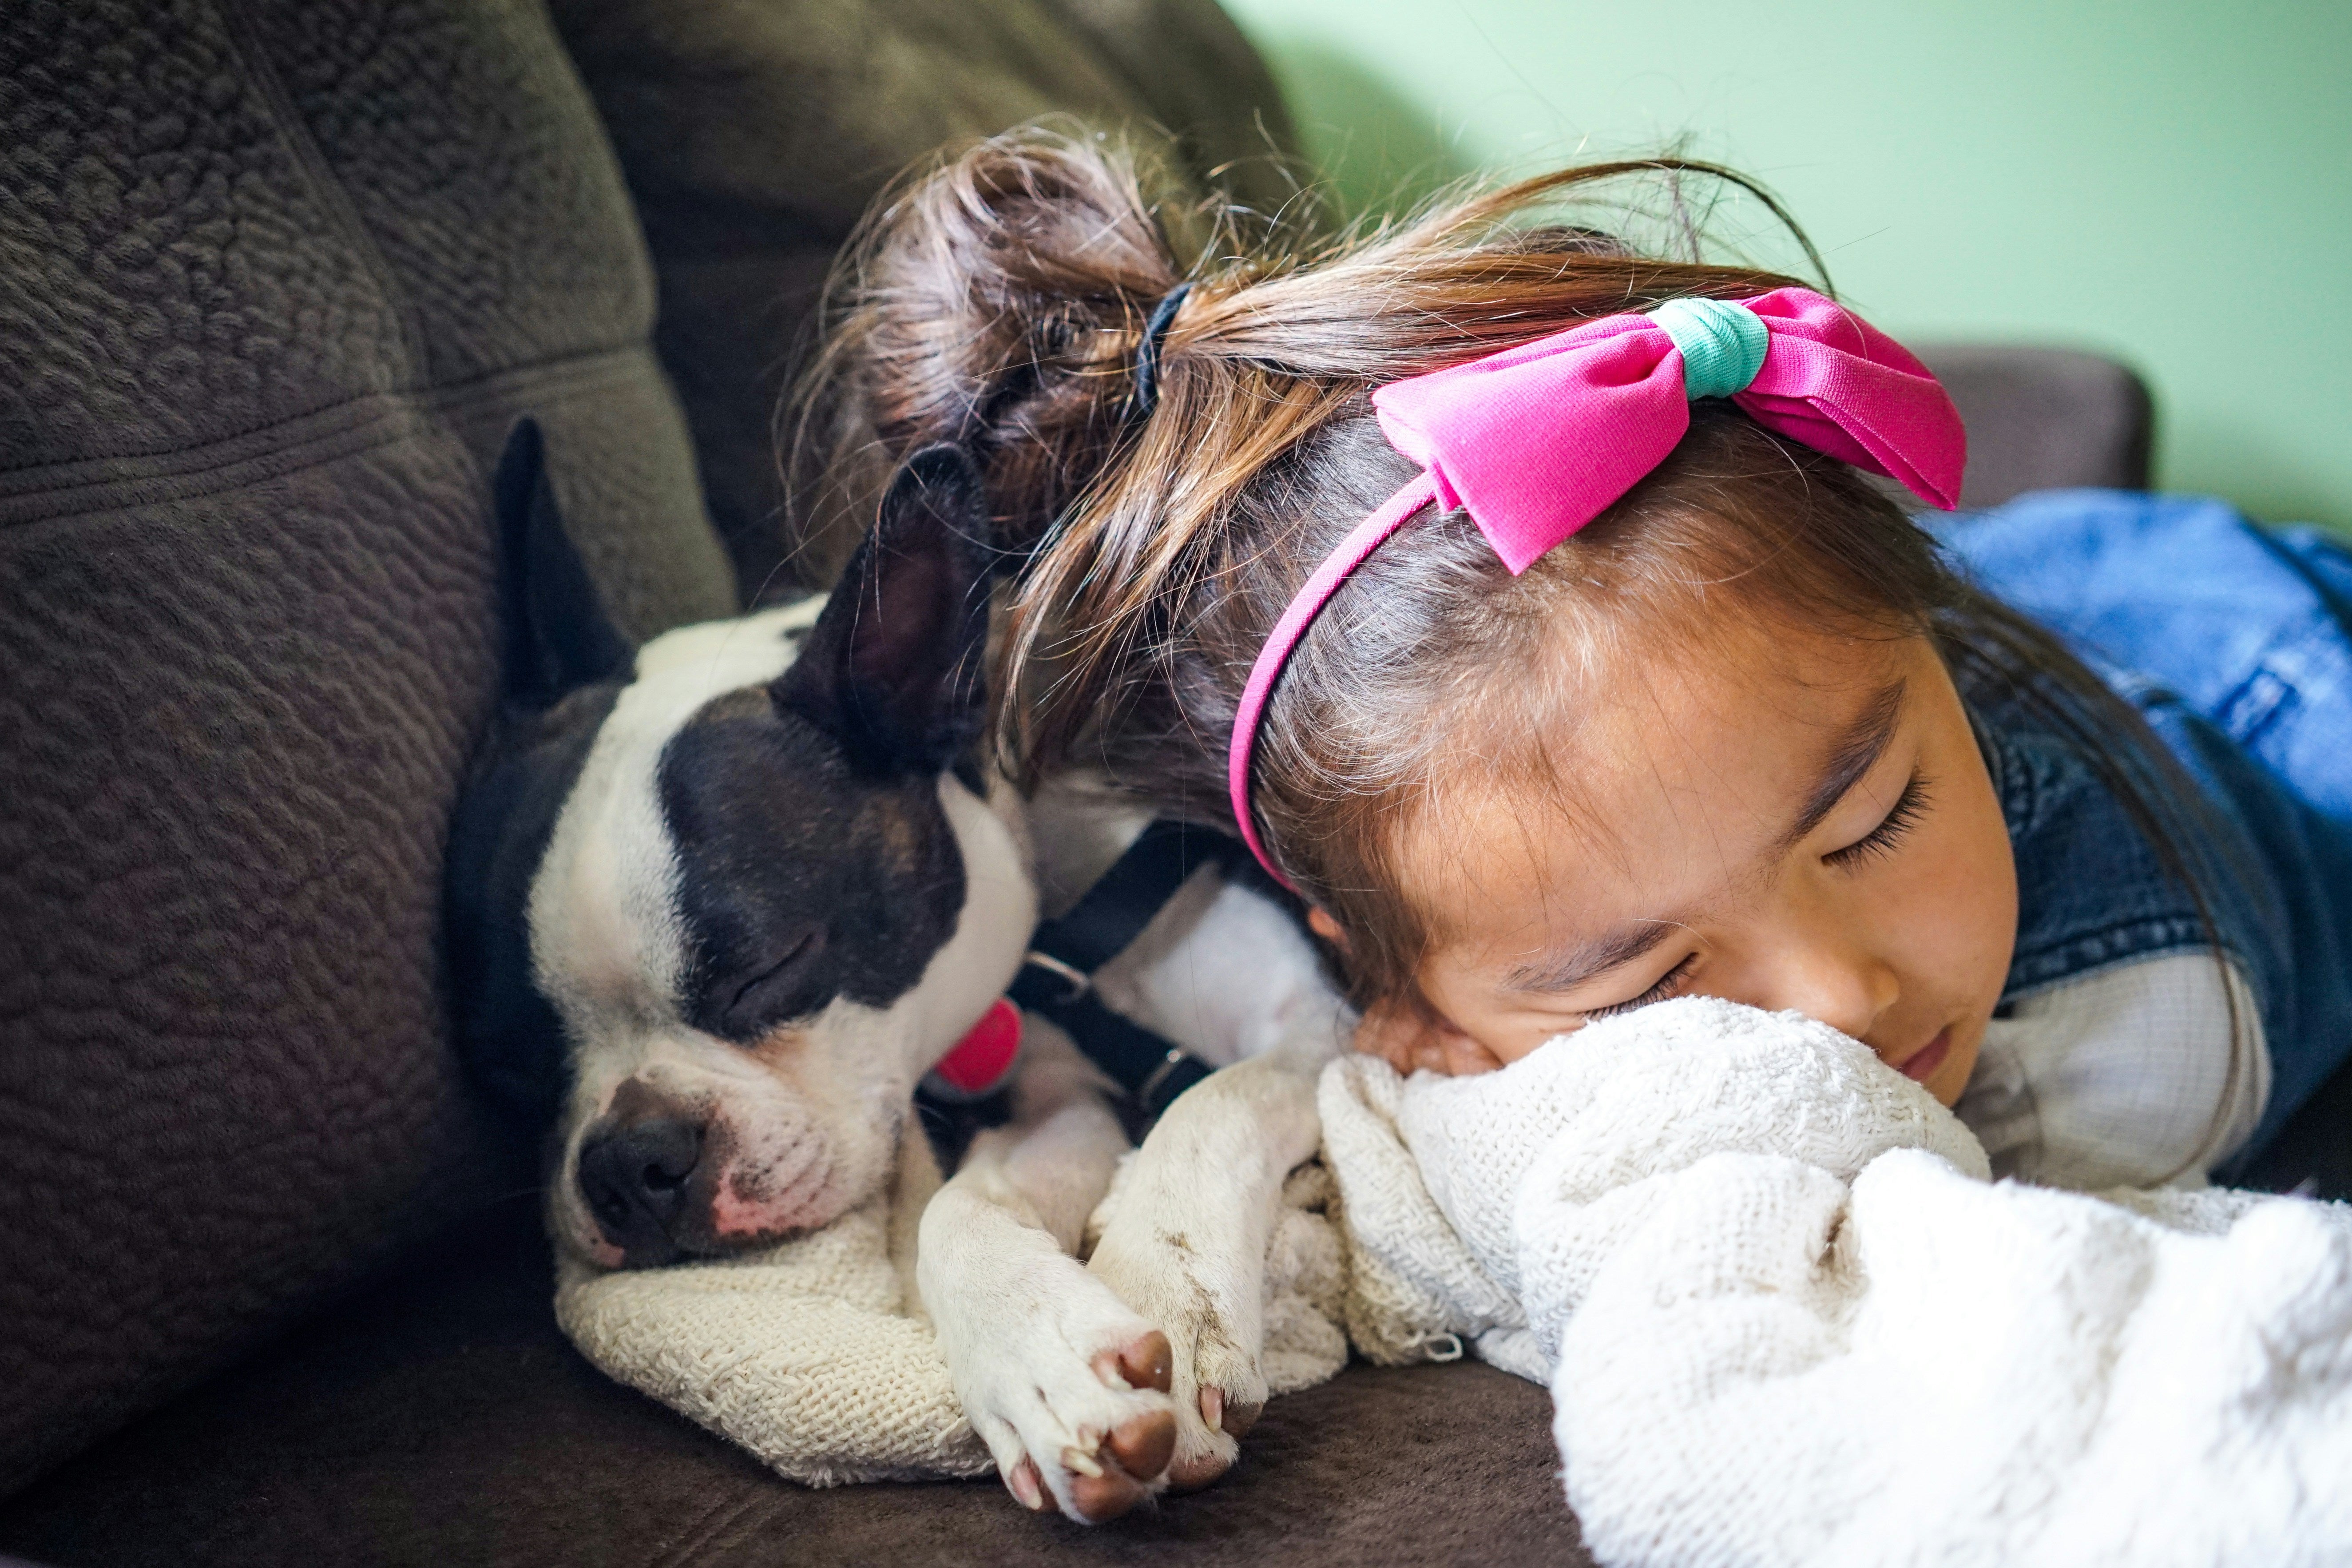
[1058,983]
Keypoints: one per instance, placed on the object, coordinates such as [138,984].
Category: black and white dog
[718,904]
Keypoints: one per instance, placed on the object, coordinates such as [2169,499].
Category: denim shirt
[2115,575]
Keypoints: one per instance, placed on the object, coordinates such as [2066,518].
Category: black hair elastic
[1147,353]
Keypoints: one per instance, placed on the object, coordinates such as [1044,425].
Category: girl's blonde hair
[999,299]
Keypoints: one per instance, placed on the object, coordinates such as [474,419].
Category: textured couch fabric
[445,1421]
[275,275]
[754,135]
[2044,419]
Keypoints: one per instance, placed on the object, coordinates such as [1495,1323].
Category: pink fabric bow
[1537,441]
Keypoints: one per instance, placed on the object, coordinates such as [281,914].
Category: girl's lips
[1920,1064]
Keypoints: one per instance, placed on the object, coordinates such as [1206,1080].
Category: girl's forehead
[1661,787]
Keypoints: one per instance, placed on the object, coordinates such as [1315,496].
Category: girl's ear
[1319,922]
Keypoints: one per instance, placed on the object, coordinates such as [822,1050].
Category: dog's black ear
[893,667]
[557,635]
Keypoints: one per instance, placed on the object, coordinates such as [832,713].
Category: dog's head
[716,904]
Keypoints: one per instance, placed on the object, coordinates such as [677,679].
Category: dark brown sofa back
[755,134]
[275,277]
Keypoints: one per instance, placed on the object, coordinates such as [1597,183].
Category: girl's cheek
[1977,872]
[1959,907]
[1980,875]
[1400,1037]
[1502,1046]
[1466,1057]
[1409,1040]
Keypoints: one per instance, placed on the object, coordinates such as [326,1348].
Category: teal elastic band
[1723,344]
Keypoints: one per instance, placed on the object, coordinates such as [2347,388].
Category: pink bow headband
[1537,441]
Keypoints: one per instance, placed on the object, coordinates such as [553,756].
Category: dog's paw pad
[1194,1471]
[1210,1450]
[1114,1476]
[1142,1362]
[1144,1444]
[1099,1491]
[1234,1417]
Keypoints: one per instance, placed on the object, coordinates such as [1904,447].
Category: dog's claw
[1235,1420]
[1028,1489]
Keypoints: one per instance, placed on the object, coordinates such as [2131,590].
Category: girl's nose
[1848,997]
[1830,973]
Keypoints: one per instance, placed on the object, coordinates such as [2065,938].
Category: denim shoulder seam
[2082,957]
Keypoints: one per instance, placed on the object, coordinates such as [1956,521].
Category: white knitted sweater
[1786,1319]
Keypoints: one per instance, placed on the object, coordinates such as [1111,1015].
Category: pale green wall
[2168,182]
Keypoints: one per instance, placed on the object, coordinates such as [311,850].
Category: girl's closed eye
[1909,809]
[1668,984]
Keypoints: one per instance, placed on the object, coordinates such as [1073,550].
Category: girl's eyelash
[1909,808]
[1668,984]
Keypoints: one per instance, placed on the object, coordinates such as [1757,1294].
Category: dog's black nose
[635,1179]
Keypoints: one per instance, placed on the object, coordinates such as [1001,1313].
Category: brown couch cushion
[274,279]
[2044,419]
[754,134]
[443,1420]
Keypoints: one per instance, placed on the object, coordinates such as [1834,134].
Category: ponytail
[996,300]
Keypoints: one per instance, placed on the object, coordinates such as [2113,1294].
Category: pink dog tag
[983,1058]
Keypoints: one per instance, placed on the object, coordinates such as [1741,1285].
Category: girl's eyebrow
[1857,752]
[1858,748]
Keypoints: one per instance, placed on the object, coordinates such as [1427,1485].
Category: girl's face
[1795,820]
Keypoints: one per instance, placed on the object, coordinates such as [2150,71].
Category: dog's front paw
[1101,1472]
[1210,1307]
[1066,1386]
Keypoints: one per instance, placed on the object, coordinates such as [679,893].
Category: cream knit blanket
[815,1355]
[806,1354]
[1786,1319]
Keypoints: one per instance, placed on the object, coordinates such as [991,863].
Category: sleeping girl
[1539,612]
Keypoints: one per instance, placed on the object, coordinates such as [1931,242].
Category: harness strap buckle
[1078,981]
[1149,1089]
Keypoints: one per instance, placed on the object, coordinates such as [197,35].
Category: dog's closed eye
[790,987]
